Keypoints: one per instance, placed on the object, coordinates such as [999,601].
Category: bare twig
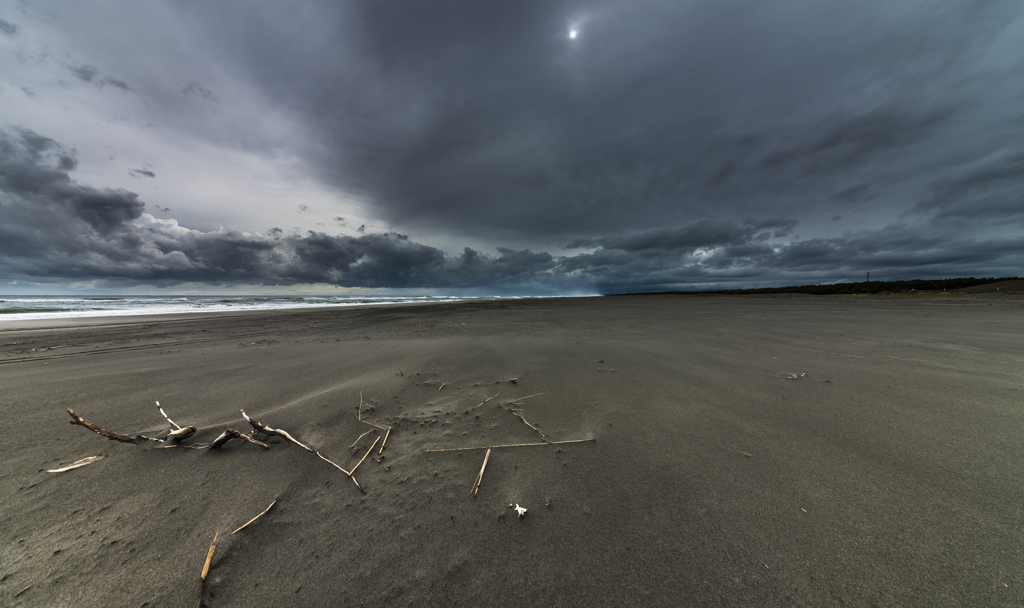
[22,591]
[206,569]
[360,437]
[364,456]
[242,527]
[386,435]
[76,464]
[511,445]
[483,402]
[359,414]
[440,387]
[480,475]
[76,419]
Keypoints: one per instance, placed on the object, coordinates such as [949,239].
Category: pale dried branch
[77,463]
[76,419]
[259,426]
[164,414]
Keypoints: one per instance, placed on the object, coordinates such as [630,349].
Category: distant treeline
[867,287]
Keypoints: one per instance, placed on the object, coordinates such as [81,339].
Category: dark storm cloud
[700,234]
[54,227]
[990,191]
[849,141]
[8,28]
[854,192]
[487,119]
[84,72]
[120,84]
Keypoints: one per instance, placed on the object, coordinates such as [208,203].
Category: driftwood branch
[259,426]
[230,434]
[76,419]
[512,445]
[480,475]
[242,527]
[179,432]
[386,435]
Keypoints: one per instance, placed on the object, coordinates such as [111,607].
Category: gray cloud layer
[55,227]
[670,144]
[488,119]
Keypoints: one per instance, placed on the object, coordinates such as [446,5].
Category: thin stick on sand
[512,445]
[360,437]
[542,434]
[483,402]
[242,527]
[524,398]
[386,435]
[76,419]
[206,569]
[440,387]
[364,456]
[376,426]
[480,475]
[359,414]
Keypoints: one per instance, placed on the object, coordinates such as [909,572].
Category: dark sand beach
[891,474]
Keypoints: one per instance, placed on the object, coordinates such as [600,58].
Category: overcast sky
[534,146]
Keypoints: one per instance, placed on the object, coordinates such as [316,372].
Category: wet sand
[890,471]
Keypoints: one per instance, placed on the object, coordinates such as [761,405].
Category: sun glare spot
[573,34]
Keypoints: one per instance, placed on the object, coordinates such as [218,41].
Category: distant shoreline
[1008,285]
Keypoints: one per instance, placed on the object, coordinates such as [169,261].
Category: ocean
[57,307]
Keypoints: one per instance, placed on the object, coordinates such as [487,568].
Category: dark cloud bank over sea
[56,228]
[574,147]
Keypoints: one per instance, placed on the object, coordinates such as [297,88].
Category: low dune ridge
[726,451]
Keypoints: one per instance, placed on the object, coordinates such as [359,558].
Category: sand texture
[888,472]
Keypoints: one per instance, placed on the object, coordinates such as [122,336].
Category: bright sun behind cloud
[573,33]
